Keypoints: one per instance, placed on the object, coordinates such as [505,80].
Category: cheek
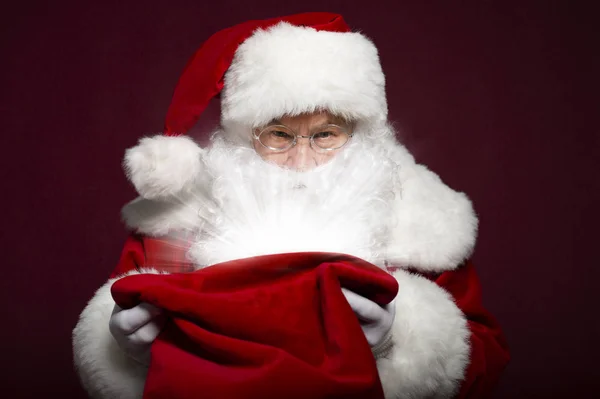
[323,158]
[277,158]
[274,157]
[281,158]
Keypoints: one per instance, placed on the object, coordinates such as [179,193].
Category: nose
[301,156]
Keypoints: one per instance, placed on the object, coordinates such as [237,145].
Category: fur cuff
[104,369]
[430,342]
[163,166]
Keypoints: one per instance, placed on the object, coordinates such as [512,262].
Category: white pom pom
[163,166]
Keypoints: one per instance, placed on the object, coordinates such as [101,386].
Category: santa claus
[304,160]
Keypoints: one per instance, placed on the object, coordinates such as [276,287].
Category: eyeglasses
[279,138]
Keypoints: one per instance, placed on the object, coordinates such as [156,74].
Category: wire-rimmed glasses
[279,138]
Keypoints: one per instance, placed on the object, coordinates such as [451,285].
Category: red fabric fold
[275,326]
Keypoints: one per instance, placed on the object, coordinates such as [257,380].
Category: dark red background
[496,97]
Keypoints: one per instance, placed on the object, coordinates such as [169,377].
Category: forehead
[312,119]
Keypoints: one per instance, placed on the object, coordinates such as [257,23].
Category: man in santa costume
[304,160]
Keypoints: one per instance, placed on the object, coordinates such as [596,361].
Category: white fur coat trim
[428,359]
[436,226]
[104,370]
[430,342]
[280,70]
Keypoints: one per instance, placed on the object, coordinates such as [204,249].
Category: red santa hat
[262,69]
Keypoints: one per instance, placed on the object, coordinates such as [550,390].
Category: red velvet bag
[275,326]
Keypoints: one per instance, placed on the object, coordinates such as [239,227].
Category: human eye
[330,137]
[280,134]
[325,135]
[276,137]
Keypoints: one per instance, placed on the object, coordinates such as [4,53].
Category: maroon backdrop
[495,97]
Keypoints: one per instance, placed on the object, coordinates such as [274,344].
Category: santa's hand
[375,321]
[135,329]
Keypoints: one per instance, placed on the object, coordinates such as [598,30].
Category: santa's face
[251,207]
[302,142]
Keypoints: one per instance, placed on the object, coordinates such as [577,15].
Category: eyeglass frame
[296,136]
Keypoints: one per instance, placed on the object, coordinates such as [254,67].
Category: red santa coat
[488,354]
[445,343]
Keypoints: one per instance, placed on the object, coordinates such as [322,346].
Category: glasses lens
[331,138]
[276,137]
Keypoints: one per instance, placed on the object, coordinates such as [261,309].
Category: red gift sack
[275,326]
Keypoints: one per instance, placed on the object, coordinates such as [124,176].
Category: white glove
[135,329]
[375,321]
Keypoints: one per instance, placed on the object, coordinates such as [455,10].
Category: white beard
[255,208]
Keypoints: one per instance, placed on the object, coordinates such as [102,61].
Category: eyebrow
[331,120]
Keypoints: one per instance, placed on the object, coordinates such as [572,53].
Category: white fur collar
[435,227]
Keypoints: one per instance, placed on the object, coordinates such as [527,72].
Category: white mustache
[256,208]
